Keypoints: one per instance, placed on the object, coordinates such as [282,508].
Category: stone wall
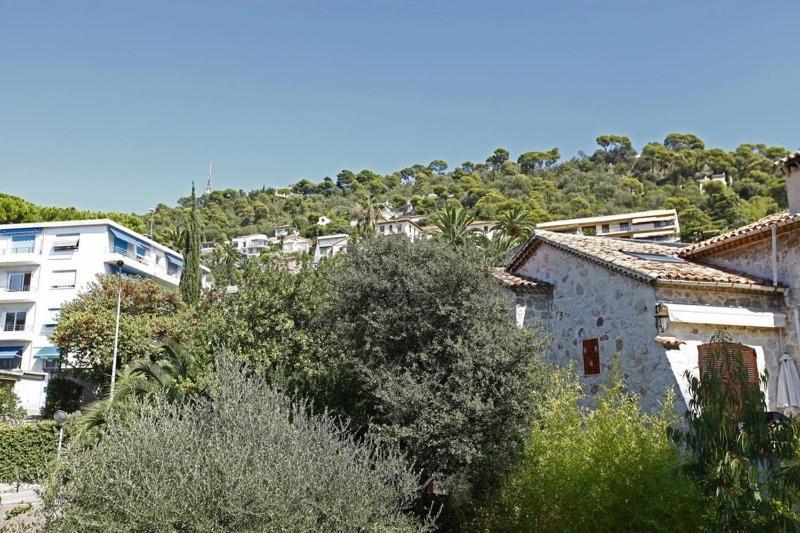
[590,301]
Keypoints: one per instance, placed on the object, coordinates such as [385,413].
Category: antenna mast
[210,177]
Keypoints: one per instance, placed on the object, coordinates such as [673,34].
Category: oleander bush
[612,468]
[241,457]
[27,451]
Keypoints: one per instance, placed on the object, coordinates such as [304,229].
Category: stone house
[596,297]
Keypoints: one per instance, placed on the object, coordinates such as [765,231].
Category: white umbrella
[788,386]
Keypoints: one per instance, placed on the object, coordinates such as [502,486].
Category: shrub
[27,451]
[244,457]
[10,409]
[612,468]
[433,361]
[62,393]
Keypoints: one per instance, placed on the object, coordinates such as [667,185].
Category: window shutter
[63,279]
[591,357]
[714,357]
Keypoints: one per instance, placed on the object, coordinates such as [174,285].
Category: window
[606,228]
[120,246]
[15,321]
[51,365]
[23,244]
[18,282]
[63,279]
[11,363]
[661,223]
[661,258]
[172,268]
[66,243]
[591,357]
[624,226]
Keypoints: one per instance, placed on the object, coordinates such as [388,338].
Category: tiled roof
[758,229]
[518,281]
[646,261]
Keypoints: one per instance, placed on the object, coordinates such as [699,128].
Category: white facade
[656,225]
[296,244]
[399,226]
[253,245]
[329,246]
[485,227]
[42,266]
[323,221]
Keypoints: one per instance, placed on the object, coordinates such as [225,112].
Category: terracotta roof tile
[758,229]
[646,261]
[518,281]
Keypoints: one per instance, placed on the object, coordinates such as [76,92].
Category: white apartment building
[330,245]
[295,244]
[399,226]
[253,245]
[42,266]
[657,225]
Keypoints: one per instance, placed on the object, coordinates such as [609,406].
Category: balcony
[142,265]
[20,294]
[20,255]
[24,334]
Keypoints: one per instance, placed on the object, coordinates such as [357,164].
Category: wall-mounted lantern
[662,318]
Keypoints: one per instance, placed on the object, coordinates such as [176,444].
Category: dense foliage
[613,179]
[10,409]
[62,393]
[28,451]
[431,359]
[15,210]
[243,457]
[612,468]
[149,312]
[744,463]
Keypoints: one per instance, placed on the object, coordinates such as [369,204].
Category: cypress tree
[191,282]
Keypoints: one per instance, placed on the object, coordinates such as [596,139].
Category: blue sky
[119,105]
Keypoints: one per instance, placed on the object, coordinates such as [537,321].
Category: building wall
[589,302]
[94,256]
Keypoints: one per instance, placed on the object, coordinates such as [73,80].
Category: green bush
[62,393]
[612,468]
[10,409]
[27,451]
[243,457]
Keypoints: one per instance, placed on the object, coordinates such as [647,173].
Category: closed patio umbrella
[788,386]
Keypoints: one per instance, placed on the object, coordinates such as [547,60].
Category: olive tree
[242,457]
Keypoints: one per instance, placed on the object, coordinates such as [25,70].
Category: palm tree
[366,215]
[454,224]
[498,249]
[227,260]
[163,373]
[176,238]
[516,223]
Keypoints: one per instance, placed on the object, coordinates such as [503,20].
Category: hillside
[614,178]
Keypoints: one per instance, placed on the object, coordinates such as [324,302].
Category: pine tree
[191,283]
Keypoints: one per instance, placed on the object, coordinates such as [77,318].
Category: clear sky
[118,105]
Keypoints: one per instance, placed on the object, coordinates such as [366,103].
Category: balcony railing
[16,288]
[18,250]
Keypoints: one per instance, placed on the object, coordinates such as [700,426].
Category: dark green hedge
[62,393]
[26,451]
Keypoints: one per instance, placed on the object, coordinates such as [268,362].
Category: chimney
[791,167]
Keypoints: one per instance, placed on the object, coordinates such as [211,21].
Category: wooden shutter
[591,357]
[717,356]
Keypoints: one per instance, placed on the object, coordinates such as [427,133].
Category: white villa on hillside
[485,227]
[657,225]
[329,246]
[285,230]
[295,244]
[399,226]
[43,265]
[658,305]
[253,245]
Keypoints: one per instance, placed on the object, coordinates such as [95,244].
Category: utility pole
[210,177]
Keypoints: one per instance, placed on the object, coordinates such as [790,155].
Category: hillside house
[399,226]
[484,227]
[295,244]
[656,225]
[329,246]
[285,231]
[253,245]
